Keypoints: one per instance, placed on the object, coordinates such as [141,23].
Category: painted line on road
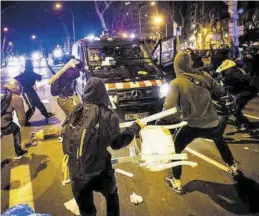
[21,186]
[209,160]
[250,116]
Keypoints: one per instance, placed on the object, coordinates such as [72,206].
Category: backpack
[6,98]
[80,138]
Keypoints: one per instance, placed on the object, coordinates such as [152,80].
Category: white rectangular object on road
[123,172]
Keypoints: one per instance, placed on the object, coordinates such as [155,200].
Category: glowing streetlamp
[124,35]
[33,37]
[5,29]
[158,20]
[59,6]
[10,43]
[226,35]
[153,3]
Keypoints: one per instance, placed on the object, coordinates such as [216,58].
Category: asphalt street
[209,189]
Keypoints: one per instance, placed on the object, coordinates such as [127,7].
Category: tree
[100,8]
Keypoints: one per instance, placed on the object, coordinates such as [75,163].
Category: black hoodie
[109,130]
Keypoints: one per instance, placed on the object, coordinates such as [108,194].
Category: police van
[135,83]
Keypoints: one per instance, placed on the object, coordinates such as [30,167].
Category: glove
[141,124]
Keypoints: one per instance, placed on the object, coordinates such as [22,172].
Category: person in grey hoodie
[190,92]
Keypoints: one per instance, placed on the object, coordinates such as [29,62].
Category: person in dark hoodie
[100,175]
[238,82]
[7,125]
[27,81]
[190,95]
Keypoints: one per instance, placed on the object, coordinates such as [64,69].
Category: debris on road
[72,206]
[253,150]
[123,172]
[47,132]
[136,199]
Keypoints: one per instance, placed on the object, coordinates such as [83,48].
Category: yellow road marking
[21,186]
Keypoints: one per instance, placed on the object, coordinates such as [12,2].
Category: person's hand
[140,123]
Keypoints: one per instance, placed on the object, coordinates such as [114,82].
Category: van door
[164,53]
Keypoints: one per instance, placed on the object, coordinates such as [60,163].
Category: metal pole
[73,24]
[166,29]
[139,20]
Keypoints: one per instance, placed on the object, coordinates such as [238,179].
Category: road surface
[36,179]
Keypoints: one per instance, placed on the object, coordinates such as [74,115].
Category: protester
[239,84]
[27,81]
[189,92]
[65,88]
[90,163]
[15,103]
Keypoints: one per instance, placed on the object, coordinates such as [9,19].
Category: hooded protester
[7,125]
[239,84]
[190,94]
[27,81]
[65,88]
[90,165]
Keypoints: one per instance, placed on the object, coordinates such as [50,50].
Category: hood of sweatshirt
[95,92]
[183,63]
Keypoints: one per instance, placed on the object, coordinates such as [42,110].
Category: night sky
[40,18]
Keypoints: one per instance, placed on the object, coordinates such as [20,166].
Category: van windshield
[124,61]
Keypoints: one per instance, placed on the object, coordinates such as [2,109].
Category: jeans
[186,135]
[83,188]
[68,104]
[14,129]
[32,100]
[241,102]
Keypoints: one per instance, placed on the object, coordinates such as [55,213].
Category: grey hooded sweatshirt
[191,100]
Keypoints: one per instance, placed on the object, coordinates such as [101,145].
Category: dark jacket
[67,82]
[109,130]
[192,101]
[27,79]
[235,79]
[15,105]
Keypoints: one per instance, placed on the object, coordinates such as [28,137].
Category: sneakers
[19,154]
[27,124]
[49,115]
[234,171]
[175,184]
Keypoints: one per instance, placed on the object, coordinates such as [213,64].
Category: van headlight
[163,90]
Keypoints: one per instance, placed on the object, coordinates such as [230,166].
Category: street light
[139,20]
[158,20]
[33,37]
[5,29]
[58,6]
[153,3]
[10,43]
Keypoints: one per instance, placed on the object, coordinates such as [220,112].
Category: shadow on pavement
[239,198]
[243,142]
[5,174]
[37,164]
[43,122]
